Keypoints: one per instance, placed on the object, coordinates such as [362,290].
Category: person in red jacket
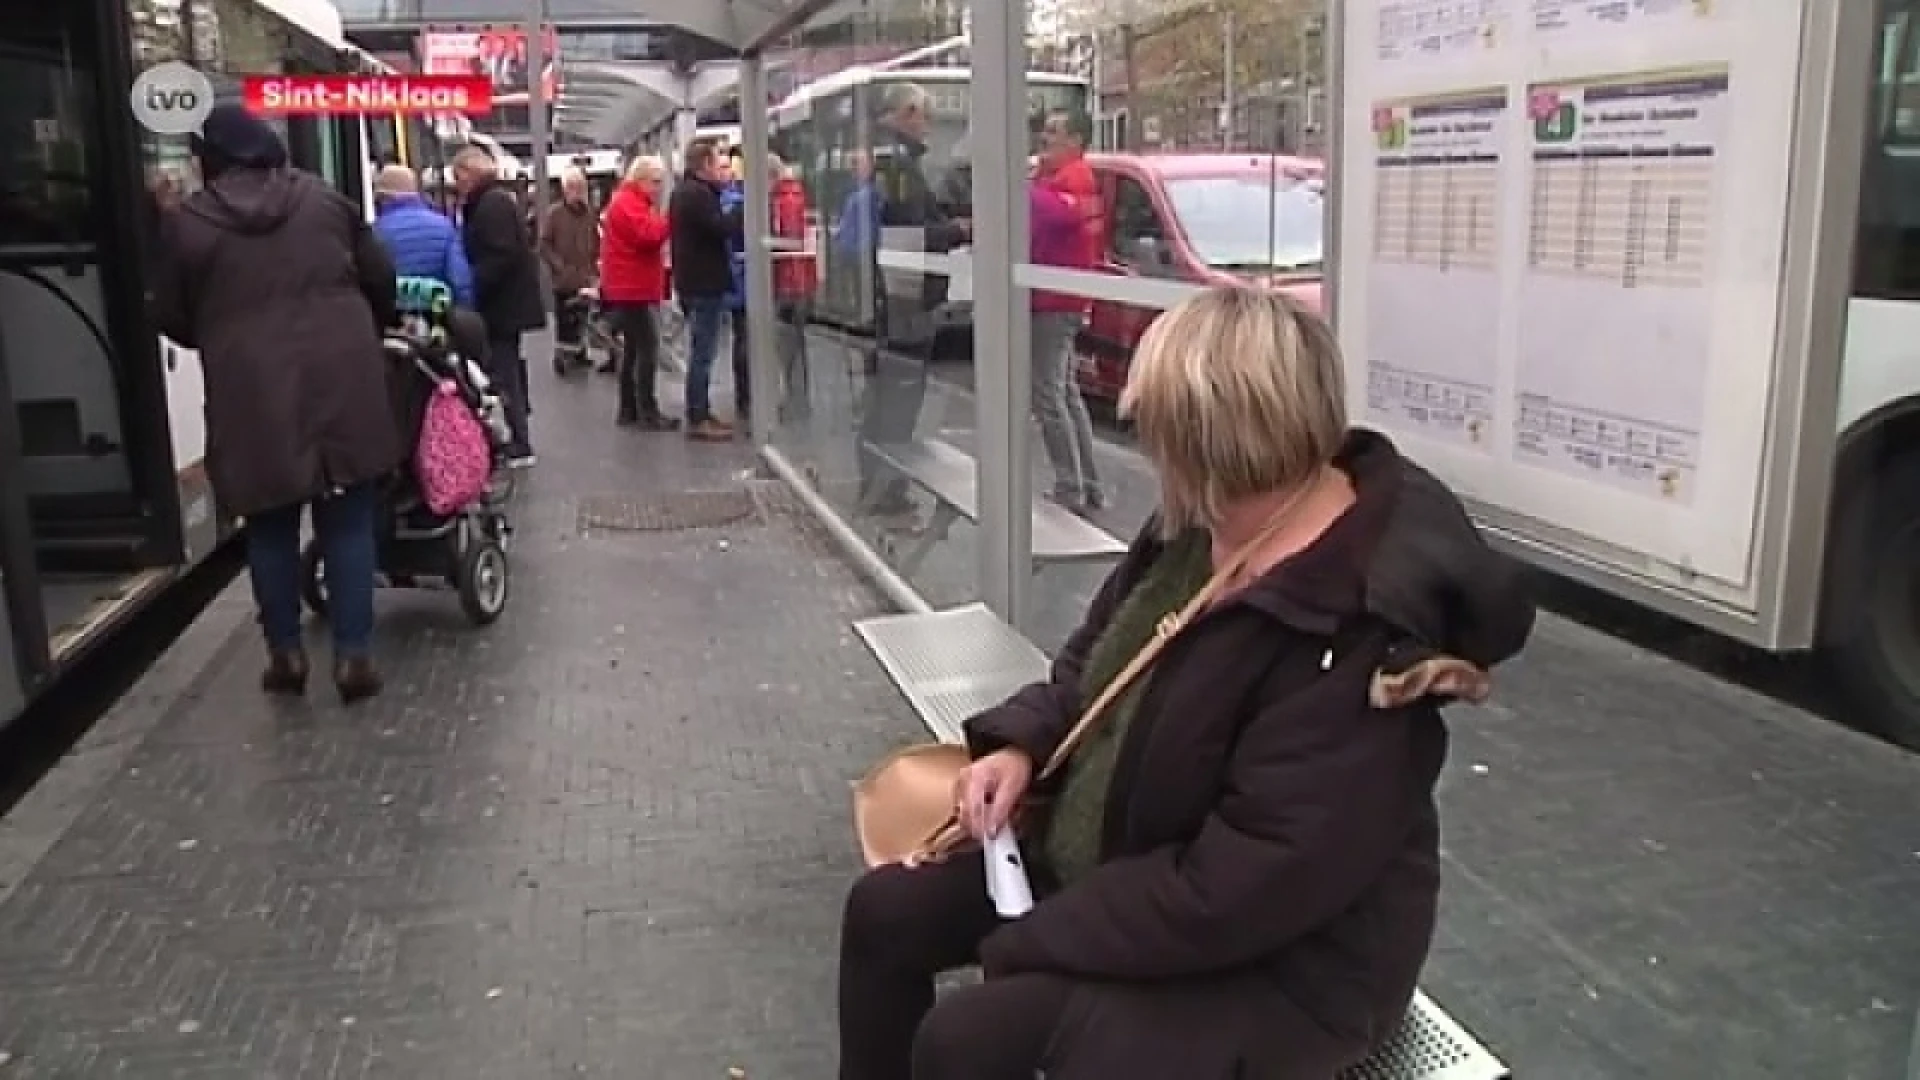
[633,284]
[1068,224]
[796,277]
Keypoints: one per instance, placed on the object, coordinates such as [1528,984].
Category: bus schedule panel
[1561,244]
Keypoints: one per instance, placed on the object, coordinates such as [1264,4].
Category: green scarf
[1079,810]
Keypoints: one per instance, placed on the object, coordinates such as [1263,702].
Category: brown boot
[709,430]
[356,679]
[286,672]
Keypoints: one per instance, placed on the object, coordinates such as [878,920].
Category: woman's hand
[987,792]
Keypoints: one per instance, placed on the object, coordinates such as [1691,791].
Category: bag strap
[1168,628]
[949,834]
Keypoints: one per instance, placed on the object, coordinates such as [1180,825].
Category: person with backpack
[422,241]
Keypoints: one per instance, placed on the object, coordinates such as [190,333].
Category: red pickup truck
[1201,219]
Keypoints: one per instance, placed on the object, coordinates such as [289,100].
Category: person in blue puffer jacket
[733,199]
[421,240]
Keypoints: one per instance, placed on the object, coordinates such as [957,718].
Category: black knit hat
[233,137]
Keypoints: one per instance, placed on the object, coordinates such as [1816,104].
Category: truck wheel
[1870,633]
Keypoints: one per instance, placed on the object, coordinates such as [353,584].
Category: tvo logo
[171,99]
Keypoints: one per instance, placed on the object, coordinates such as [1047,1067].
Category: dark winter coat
[703,232]
[283,287]
[506,277]
[1270,852]
[911,219]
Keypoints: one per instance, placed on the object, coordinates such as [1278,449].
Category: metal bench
[947,473]
[952,664]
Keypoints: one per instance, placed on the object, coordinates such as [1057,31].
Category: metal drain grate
[666,513]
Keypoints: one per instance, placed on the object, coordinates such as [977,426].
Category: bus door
[85,487]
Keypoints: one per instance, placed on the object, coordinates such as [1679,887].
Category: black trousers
[895,392]
[569,320]
[901,928]
[507,367]
[639,360]
[742,365]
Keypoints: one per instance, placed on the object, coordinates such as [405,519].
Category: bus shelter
[943,410]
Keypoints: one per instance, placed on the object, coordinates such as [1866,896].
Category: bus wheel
[1870,636]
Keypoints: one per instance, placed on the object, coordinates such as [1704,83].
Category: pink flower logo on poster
[1543,104]
[1383,118]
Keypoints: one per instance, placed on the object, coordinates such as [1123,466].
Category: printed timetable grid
[1631,217]
[1438,210]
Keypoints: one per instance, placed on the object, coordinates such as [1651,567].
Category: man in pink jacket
[1064,219]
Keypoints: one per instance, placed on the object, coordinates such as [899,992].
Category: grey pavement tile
[606,837]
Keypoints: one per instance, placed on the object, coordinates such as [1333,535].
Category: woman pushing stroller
[285,290]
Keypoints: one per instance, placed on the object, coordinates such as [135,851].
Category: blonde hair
[646,167]
[1235,392]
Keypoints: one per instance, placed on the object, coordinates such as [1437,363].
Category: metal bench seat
[947,473]
[952,664]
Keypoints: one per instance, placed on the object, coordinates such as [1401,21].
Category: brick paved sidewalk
[605,837]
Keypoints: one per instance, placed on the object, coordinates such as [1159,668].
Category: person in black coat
[506,279]
[703,233]
[281,284]
[906,304]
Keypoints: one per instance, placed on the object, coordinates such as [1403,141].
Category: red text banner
[329,95]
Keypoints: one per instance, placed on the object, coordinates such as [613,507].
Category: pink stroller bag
[453,460]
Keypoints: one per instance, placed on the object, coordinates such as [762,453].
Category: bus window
[383,139]
[59,251]
[1887,247]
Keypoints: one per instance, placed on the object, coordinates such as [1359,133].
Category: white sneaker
[524,461]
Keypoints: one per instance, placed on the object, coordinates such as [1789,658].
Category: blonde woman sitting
[1237,874]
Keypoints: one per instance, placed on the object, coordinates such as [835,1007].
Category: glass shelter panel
[877,401]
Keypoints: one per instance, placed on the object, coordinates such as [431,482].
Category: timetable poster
[1625,20]
[1418,31]
[1614,349]
[1433,317]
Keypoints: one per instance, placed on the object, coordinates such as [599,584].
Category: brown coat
[1270,863]
[570,245]
[282,286]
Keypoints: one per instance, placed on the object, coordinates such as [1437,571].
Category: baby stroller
[467,548]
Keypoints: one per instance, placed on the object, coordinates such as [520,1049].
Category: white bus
[103,495]
[822,128]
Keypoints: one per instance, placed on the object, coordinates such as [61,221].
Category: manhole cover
[665,513]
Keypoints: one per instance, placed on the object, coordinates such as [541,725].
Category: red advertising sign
[325,95]
[497,54]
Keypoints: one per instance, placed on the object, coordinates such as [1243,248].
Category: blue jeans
[705,316]
[344,526]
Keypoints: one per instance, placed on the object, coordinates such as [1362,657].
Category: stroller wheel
[482,580]
[313,581]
